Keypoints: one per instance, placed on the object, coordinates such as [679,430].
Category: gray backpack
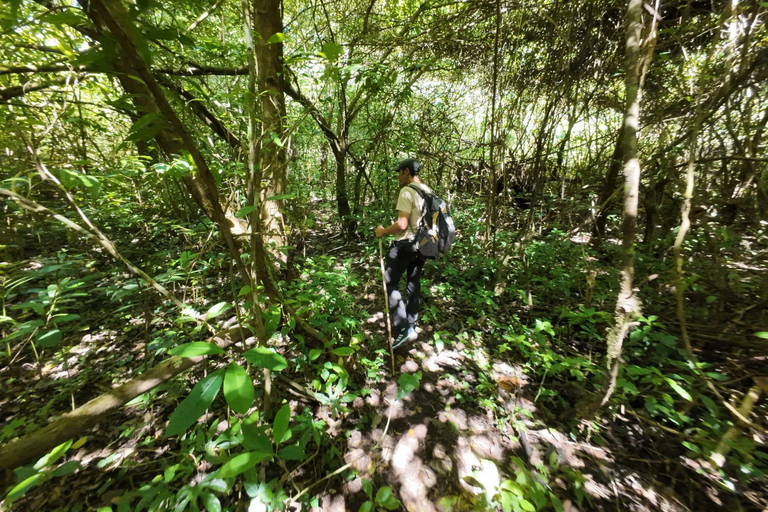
[436,229]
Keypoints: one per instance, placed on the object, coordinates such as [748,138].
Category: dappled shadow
[445,448]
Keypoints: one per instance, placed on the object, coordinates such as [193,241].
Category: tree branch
[202,112]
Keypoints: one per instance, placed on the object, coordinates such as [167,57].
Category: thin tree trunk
[628,304]
[607,190]
[342,200]
[492,188]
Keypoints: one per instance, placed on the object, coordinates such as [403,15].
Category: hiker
[402,255]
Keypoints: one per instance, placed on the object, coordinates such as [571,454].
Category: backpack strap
[423,195]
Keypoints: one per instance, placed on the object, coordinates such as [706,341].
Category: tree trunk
[272,158]
[604,199]
[628,304]
[342,200]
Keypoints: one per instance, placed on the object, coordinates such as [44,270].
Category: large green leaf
[191,408]
[211,502]
[217,309]
[244,211]
[680,390]
[50,338]
[331,51]
[238,388]
[24,486]
[240,463]
[280,425]
[292,452]
[196,348]
[255,438]
[53,455]
[385,498]
[407,383]
[266,358]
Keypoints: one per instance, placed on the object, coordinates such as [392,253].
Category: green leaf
[24,329]
[277,37]
[407,383]
[266,358]
[511,486]
[196,348]
[281,197]
[191,408]
[53,455]
[293,452]
[70,179]
[211,502]
[366,507]
[280,425]
[255,439]
[244,211]
[67,468]
[680,391]
[367,487]
[245,290]
[314,354]
[49,339]
[238,388]
[276,138]
[271,316]
[331,51]
[556,503]
[507,501]
[240,463]
[217,309]
[344,351]
[762,334]
[527,505]
[24,486]
[692,447]
[62,318]
[217,484]
[90,183]
[385,498]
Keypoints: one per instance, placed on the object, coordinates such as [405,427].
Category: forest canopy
[193,315]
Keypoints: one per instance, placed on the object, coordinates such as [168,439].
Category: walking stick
[386,306]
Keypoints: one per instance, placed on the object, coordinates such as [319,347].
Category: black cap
[412,164]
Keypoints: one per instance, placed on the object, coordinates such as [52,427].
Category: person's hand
[379,231]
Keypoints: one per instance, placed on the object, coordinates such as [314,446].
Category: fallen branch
[68,426]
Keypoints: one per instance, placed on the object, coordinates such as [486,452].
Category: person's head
[407,170]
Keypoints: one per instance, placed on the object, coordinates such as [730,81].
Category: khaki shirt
[410,201]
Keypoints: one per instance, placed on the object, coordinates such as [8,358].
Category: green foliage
[45,469]
[238,388]
[263,357]
[407,383]
[384,500]
[191,408]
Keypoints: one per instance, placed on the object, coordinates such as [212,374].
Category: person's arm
[399,225]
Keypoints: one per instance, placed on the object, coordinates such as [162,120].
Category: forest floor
[476,432]
[473,424]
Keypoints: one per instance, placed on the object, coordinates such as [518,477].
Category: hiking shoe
[406,336]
